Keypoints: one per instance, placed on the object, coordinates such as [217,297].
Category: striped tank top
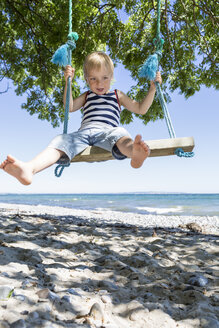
[101,109]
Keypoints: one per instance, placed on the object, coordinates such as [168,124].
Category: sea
[143,203]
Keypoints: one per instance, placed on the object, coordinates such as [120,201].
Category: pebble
[5,292]
[209,322]
[66,298]
[109,285]
[106,299]
[96,312]
[20,297]
[4,274]
[18,324]
[199,281]
[136,315]
[4,324]
[73,292]
[34,315]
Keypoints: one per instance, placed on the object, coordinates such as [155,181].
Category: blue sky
[24,136]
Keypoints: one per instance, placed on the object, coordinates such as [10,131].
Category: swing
[181,147]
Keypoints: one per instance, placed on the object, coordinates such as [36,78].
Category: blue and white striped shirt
[101,109]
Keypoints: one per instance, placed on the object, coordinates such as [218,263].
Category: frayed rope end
[149,68]
[60,57]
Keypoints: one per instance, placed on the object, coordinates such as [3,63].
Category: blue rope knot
[73,36]
[158,43]
[71,44]
[181,153]
[59,169]
[159,54]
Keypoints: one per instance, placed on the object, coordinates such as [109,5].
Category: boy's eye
[105,77]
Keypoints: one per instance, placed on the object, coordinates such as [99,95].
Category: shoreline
[101,269]
[207,223]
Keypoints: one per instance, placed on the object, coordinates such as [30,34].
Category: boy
[100,123]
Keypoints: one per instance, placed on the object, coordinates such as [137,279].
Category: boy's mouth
[100,89]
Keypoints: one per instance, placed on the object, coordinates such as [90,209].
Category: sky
[24,136]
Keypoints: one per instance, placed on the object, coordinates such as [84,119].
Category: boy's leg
[24,171]
[137,150]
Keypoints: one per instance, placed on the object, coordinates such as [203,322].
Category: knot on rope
[159,54]
[59,169]
[181,153]
[158,43]
[71,44]
[60,57]
[73,36]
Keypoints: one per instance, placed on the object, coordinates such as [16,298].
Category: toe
[138,138]
[11,159]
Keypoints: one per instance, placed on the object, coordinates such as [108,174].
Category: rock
[106,299]
[209,322]
[43,293]
[34,315]
[73,292]
[96,312]
[4,274]
[194,227]
[20,297]
[46,293]
[98,268]
[66,298]
[6,292]
[18,324]
[138,314]
[199,281]
[27,284]
[109,285]
[4,324]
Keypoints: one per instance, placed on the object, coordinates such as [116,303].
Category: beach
[65,267]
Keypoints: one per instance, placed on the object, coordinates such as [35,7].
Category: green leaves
[31,31]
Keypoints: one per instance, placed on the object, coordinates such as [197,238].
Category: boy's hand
[158,79]
[69,72]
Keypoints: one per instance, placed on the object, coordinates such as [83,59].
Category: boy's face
[99,80]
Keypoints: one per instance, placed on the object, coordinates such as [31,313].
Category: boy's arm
[79,101]
[143,106]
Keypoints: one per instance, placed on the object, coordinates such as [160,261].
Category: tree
[31,31]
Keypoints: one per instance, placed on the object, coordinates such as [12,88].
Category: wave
[158,210]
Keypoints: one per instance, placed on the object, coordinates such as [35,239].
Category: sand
[71,268]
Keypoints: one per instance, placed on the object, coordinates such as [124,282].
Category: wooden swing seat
[162,147]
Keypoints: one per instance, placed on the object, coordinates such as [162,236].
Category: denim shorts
[74,143]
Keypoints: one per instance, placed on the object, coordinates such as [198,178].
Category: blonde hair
[96,60]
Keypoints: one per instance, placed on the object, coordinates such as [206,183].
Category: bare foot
[17,169]
[139,153]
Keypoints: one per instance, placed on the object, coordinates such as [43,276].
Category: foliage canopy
[31,31]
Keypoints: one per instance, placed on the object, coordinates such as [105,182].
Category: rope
[63,57]
[149,69]
[165,110]
[181,153]
[59,169]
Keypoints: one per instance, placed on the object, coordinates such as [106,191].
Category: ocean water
[143,203]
